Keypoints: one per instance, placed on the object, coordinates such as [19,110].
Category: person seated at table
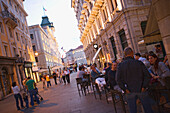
[112,78]
[159,71]
[81,73]
[94,72]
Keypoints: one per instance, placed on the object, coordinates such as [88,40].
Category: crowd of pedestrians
[63,76]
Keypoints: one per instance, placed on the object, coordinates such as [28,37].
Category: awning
[56,67]
[96,54]
[43,70]
[35,69]
[152,32]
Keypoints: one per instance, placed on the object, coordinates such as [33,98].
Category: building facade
[45,44]
[75,56]
[112,25]
[79,56]
[16,54]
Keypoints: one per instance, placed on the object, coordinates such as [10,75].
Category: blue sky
[62,16]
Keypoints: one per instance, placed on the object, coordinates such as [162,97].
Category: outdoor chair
[107,92]
[88,82]
[80,86]
[95,88]
[156,90]
[115,101]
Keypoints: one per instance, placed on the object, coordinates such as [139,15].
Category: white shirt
[66,72]
[16,90]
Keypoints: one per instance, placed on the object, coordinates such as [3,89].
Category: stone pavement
[62,99]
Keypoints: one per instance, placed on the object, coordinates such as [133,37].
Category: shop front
[7,75]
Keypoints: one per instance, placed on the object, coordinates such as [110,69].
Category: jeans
[33,92]
[48,83]
[64,79]
[68,78]
[18,96]
[55,80]
[143,97]
[26,102]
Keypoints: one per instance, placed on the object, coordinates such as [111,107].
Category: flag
[44,9]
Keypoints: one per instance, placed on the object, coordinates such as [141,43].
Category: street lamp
[95,46]
[36,53]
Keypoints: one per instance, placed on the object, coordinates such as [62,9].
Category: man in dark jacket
[133,77]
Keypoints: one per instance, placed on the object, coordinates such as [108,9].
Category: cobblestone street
[62,99]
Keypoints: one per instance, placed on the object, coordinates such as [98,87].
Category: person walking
[30,85]
[48,81]
[133,77]
[17,95]
[43,80]
[63,76]
[67,74]
[55,76]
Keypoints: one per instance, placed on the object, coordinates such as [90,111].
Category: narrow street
[62,99]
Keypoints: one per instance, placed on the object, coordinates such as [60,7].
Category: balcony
[9,19]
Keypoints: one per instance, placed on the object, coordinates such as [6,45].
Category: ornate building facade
[112,25]
[16,54]
[75,56]
[45,44]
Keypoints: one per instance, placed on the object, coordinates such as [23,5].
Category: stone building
[75,56]
[112,25]
[16,54]
[45,44]
[79,56]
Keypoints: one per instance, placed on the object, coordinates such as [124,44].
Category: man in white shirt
[17,95]
[67,74]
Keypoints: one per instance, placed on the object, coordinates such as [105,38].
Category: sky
[63,17]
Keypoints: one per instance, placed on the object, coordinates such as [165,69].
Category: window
[115,2]
[10,2]
[16,8]
[22,38]
[36,59]
[1,28]
[6,50]
[123,38]
[95,29]
[34,48]
[143,26]
[105,14]
[25,56]
[113,46]
[10,32]
[112,5]
[99,22]
[20,53]
[14,50]
[31,36]
[17,36]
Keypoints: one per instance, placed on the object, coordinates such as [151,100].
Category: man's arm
[146,77]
